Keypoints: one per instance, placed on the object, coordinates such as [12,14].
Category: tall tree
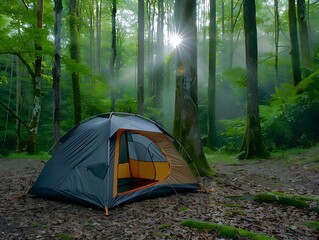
[98,12]
[35,117]
[186,120]
[56,72]
[294,51]
[160,56]
[253,145]
[75,56]
[277,28]
[140,61]
[113,57]
[212,134]
[304,34]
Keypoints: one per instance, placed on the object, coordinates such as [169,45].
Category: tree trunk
[304,34]
[253,144]
[75,56]
[150,43]
[212,134]
[186,120]
[295,59]
[56,72]
[277,28]
[160,56]
[18,107]
[140,61]
[35,117]
[98,36]
[113,58]
[92,39]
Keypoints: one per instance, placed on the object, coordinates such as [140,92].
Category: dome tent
[112,159]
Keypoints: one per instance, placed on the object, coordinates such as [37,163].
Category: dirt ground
[159,218]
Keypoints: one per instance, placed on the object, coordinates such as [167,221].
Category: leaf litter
[37,218]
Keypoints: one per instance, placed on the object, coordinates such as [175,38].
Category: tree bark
[160,56]
[35,117]
[295,59]
[186,120]
[304,34]
[113,58]
[253,144]
[56,71]
[212,134]
[75,56]
[140,61]
[277,28]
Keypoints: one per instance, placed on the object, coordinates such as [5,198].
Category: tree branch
[15,115]
[25,4]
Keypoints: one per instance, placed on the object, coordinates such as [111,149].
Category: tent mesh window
[141,162]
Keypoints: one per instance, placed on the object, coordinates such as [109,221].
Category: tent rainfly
[112,159]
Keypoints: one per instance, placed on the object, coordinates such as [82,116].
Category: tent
[112,159]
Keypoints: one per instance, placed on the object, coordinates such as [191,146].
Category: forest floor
[159,218]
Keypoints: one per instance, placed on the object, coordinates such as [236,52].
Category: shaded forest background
[106,66]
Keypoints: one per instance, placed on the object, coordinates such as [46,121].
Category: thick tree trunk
[35,117]
[75,56]
[295,58]
[140,61]
[186,121]
[56,71]
[253,145]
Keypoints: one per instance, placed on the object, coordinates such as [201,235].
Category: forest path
[159,218]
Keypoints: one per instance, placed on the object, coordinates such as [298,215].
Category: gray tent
[112,159]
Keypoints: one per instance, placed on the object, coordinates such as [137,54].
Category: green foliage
[224,230]
[233,134]
[292,116]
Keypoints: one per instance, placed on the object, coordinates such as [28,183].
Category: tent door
[141,162]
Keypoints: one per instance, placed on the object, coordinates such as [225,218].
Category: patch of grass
[64,236]
[36,224]
[220,156]
[236,212]
[224,230]
[233,205]
[24,155]
[163,235]
[184,208]
[312,224]
[218,181]
[165,225]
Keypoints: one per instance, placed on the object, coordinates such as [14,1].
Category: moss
[223,230]
[233,205]
[280,199]
[316,208]
[184,208]
[64,236]
[235,213]
[312,224]
[218,181]
[298,197]
[165,225]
